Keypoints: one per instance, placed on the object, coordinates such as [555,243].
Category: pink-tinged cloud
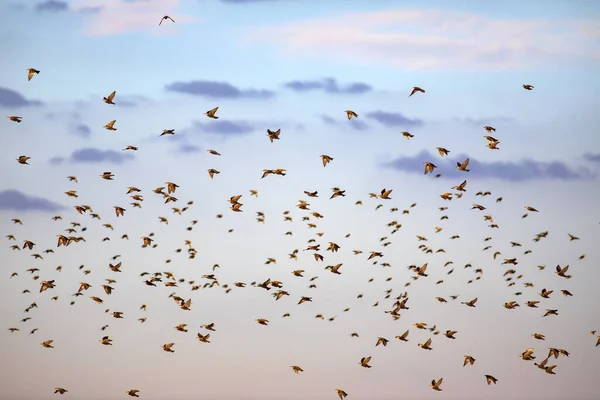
[437,39]
[112,17]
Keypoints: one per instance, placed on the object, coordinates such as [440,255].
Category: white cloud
[111,17]
[437,39]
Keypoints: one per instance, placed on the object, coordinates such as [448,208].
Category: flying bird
[165,18]
[31,72]
[415,90]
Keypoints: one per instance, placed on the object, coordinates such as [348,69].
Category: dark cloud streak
[392,120]
[11,99]
[520,171]
[90,155]
[328,85]
[595,158]
[225,128]
[218,90]
[51,6]
[16,201]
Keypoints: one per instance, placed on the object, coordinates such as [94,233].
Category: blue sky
[297,66]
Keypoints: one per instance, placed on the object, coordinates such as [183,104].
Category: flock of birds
[168,279]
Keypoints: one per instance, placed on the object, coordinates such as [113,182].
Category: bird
[490,379]
[15,118]
[443,152]
[109,98]
[341,394]
[468,360]
[110,126]
[415,90]
[528,87]
[30,73]
[211,113]
[23,160]
[296,369]
[429,167]
[165,18]
[463,166]
[364,362]
[273,135]
[60,390]
[326,159]
[436,385]
[351,114]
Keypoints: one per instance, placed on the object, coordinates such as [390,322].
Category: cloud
[356,124]
[481,122]
[328,120]
[82,130]
[16,201]
[217,90]
[393,119]
[111,17]
[328,85]
[51,6]
[520,171]
[245,1]
[56,160]
[225,127]
[11,99]
[437,39]
[595,158]
[187,148]
[91,155]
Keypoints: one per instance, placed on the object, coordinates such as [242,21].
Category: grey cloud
[595,158]
[223,127]
[132,101]
[10,98]
[393,119]
[91,155]
[481,122]
[56,160]
[188,149]
[217,90]
[328,120]
[245,1]
[91,10]
[328,85]
[354,123]
[51,6]
[82,130]
[16,201]
[520,171]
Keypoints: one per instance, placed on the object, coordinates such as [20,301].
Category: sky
[297,66]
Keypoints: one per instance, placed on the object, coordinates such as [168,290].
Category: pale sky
[297,66]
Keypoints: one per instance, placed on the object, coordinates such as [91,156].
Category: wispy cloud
[112,17]
[437,39]
[224,127]
[246,1]
[11,99]
[391,120]
[217,90]
[595,158]
[82,130]
[16,201]
[51,6]
[91,155]
[355,124]
[515,171]
[328,85]
[187,148]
